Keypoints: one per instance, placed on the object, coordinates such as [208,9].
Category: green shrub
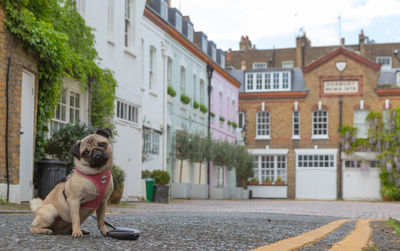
[171,91]
[161,177]
[222,119]
[195,105]
[390,193]
[229,123]
[63,139]
[146,174]
[234,125]
[185,99]
[212,114]
[203,108]
[119,176]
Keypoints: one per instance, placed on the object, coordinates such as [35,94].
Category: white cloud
[224,21]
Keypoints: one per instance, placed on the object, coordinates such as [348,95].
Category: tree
[242,160]
[182,148]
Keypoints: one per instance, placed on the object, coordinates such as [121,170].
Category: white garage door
[316,174]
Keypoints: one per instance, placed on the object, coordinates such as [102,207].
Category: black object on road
[122,233]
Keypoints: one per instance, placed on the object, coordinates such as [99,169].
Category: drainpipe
[340,192]
[6,136]
[164,100]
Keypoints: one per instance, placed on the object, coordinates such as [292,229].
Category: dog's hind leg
[44,219]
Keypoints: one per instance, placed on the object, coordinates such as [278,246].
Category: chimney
[228,55]
[243,65]
[169,4]
[362,43]
[342,41]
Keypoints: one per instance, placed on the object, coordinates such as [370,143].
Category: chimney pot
[342,41]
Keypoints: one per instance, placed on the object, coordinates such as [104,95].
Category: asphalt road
[172,231]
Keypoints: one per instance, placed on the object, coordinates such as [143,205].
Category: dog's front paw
[76,234]
[103,231]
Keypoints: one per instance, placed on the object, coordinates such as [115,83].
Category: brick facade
[19,60]
[280,107]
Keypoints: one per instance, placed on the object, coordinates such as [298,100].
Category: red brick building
[18,102]
[292,115]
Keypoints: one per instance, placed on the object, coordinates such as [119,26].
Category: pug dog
[86,190]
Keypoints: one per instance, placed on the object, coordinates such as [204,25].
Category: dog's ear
[75,150]
[105,132]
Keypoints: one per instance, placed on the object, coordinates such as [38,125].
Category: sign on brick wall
[340,87]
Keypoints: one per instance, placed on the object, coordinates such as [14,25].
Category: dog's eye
[85,153]
[102,144]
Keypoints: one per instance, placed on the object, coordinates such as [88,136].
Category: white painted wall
[268,191]
[154,99]
[126,65]
[361,184]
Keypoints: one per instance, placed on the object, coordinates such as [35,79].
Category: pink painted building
[224,107]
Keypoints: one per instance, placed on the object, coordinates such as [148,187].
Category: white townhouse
[117,28]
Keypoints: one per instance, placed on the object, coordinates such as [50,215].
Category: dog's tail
[35,204]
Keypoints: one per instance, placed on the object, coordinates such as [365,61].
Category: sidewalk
[345,209]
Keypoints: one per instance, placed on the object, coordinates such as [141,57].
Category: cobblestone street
[201,225]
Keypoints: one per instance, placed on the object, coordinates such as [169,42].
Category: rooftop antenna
[340,27]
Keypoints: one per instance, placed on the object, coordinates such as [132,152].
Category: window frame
[128,24]
[152,67]
[130,112]
[363,125]
[288,64]
[259,65]
[294,123]
[151,140]
[271,81]
[326,123]
[266,124]
[384,66]
[274,165]
[183,80]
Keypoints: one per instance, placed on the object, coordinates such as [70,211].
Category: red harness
[100,180]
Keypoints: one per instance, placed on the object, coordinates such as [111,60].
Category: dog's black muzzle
[98,158]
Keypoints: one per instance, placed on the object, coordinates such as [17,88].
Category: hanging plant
[185,99]
[196,105]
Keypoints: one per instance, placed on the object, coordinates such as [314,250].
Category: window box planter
[280,183]
[185,99]
[171,92]
[212,117]
[234,126]
[267,183]
[196,105]
[252,182]
[203,108]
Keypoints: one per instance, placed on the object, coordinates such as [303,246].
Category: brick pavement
[346,209]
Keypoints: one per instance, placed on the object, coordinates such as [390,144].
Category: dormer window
[268,81]
[204,44]
[259,65]
[178,22]
[385,61]
[214,53]
[190,32]
[398,78]
[164,9]
[222,60]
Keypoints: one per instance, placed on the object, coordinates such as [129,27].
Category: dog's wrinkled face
[94,150]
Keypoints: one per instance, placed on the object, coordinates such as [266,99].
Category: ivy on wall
[55,33]
[383,138]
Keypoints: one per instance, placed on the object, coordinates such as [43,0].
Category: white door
[26,137]
[316,174]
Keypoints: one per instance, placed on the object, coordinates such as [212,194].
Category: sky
[276,23]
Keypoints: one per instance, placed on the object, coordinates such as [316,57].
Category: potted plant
[171,91]
[279,181]
[253,181]
[185,99]
[221,120]
[57,161]
[234,125]
[212,116]
[196,105]
[229,124]
[267,181]
[119,177]
[161,189]
[203,108]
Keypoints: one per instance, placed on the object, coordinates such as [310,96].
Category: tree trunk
[180,172]
[200,173]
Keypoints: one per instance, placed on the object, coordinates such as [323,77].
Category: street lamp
[210,70]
